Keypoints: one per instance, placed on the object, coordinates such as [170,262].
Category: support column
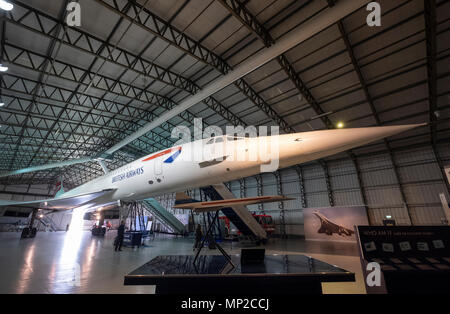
[281,206]
[259,191]
[242,188]
[328,182]
[361,184]
[33,217]
[301,182]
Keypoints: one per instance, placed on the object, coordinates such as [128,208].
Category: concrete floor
[47,264]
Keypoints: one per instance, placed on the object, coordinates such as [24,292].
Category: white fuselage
[193,165]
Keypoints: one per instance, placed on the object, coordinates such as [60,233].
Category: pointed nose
[318,144]
[344,139]
[362,136]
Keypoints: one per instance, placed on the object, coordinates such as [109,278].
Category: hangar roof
[73,92]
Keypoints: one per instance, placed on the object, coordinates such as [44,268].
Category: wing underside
[198,206]
[64,203]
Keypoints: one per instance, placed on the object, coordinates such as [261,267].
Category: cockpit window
[234,138]
[221,139]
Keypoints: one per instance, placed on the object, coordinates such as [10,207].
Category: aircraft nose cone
[349,138]
[302,147]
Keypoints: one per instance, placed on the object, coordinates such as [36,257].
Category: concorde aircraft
[181,168]
[167,171]
[328,227]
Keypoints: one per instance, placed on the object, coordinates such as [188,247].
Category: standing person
[120,234]
[198,236]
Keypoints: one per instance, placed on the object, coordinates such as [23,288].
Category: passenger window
[219,140]
[210,141]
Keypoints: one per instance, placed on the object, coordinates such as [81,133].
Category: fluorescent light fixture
[2,67]
[5,5]
[2,104]
[388,216]
[340,125]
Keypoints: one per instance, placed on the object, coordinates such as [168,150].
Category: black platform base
[213,275]
[241,286]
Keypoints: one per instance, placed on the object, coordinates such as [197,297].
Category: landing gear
[30,231]
[98,231]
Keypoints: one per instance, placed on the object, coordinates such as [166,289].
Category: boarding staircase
[155,208]
[213,195]
[47,222]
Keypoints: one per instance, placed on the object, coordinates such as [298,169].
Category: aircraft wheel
[25,232]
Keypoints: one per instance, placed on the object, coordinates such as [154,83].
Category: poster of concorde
[334,223]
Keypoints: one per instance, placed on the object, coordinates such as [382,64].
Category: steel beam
[44,111]
[43,114]
[239,11]
[431,44]
[41,84]
[82,104]
[167,32]
[246,18]
[177,38]
[24,58]
[122,58]
[374,112]
[32,19]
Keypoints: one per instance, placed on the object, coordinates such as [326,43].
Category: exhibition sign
[334,223]
[404,259]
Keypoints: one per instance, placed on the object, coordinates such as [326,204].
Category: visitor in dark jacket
[120,234]
[198,237]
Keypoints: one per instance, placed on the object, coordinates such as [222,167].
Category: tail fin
[59,188]
[183,198]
